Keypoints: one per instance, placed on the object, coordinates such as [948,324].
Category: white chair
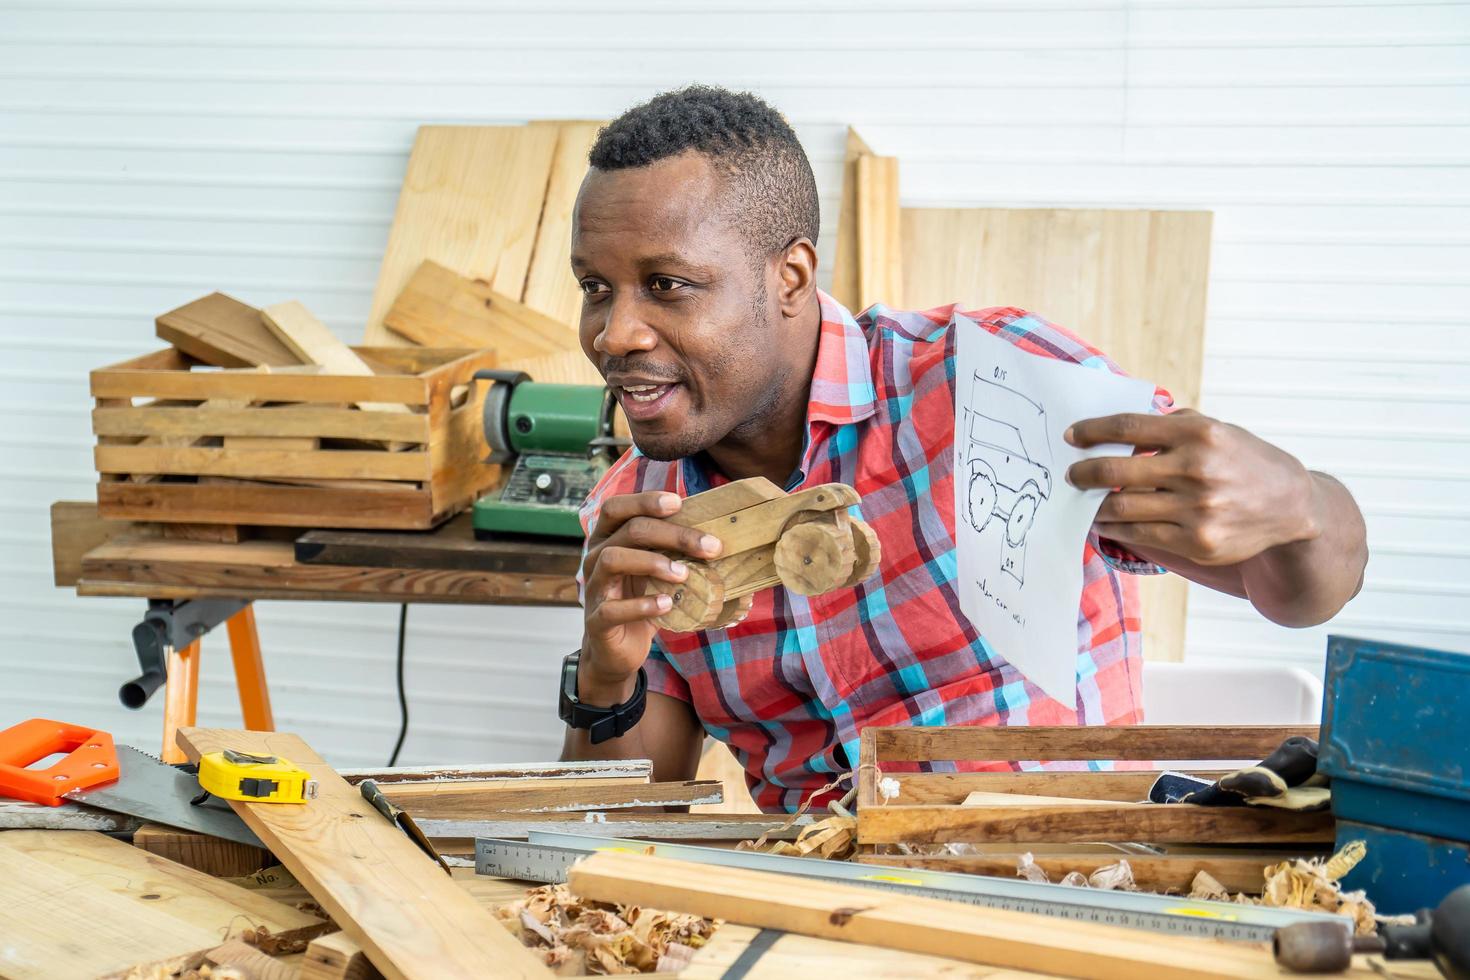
[1222,694]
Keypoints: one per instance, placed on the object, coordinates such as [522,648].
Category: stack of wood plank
[262,417]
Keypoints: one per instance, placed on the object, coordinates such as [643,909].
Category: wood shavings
[1310,884]
[1207,886]
[287,941]
[576,937]
[834,837]
[1109,877]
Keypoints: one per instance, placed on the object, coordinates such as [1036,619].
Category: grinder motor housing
[557,440]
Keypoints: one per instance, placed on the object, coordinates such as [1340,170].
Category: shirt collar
[842,382]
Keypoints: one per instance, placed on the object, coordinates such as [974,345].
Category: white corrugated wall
[153,151]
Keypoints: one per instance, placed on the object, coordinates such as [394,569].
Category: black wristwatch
[601,723]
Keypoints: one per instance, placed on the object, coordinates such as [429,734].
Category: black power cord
[402,697]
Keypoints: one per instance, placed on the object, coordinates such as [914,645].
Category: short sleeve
[662,677]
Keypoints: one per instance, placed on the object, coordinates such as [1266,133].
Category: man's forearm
[667,734]
[1305,583]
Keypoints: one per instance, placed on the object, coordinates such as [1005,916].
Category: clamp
[170,625]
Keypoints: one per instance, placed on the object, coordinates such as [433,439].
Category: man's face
[676,314]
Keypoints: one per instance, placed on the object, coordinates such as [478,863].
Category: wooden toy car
[805,541]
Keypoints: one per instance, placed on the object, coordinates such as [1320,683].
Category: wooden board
[269,570]
[78,904]
[336,957]
[471,200]
[1153,822]
[76,529]
[550,286]
[1064,743]
[1132,283]
[224,332]
[438,307]
[383,892]
[643,826]
[452,546]
[312,343]
[791,955]
[1173,874]
[953,787]
[202,852]
[606,771]
[475,801]
[845,261]
[880,269]
[921,925]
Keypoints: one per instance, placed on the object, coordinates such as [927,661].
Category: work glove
[1287,778]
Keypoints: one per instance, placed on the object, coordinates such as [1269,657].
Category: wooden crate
[160,421]
[1062,837]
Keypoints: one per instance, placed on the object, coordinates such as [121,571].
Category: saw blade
[160,793]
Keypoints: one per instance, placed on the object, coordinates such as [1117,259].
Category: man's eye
[592,286]
[664,284]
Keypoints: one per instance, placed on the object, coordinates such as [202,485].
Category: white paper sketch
[1020,527]
[1009,472]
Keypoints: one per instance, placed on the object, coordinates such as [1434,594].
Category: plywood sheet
[880,269]
[1132,283]
[441,308]
[471,200]
[78,904]
[845,261]
[550,286]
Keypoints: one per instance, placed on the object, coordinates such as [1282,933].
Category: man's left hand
[1196,487]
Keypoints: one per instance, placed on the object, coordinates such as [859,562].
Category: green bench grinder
[560,439]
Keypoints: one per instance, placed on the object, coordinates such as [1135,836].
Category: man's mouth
[644,402]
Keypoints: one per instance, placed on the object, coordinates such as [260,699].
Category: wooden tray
[928,809]
[160,422]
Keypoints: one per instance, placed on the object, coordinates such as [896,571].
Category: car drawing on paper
[1007,457]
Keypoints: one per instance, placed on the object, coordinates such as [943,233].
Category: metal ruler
[547,856]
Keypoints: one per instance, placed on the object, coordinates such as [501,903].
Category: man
[694,243]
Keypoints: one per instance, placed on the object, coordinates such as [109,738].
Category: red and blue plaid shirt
[790,688]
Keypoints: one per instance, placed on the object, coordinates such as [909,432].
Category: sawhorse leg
[181,695]
[255,697]
[180,698]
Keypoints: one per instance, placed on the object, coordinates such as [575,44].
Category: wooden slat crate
[928,810]
[160,422]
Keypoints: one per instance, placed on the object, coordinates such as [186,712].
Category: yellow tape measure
[234,775]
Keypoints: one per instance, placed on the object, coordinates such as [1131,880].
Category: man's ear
[797,268]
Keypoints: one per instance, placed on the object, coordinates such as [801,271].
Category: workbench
[220,579]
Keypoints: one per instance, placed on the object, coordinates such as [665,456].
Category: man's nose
[624,330]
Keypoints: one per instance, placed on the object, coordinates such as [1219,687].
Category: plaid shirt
[790,688]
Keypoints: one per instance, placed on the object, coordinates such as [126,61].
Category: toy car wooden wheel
[814,557]
[868,553]
[698,600]
[730,613]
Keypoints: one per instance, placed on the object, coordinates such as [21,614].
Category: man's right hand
[624,551]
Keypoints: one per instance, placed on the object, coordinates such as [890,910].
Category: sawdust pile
[1310,884]
[577,937]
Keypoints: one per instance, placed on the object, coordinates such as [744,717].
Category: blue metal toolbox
[1396,746]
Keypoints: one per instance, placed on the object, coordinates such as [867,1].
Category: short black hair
[744,137]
